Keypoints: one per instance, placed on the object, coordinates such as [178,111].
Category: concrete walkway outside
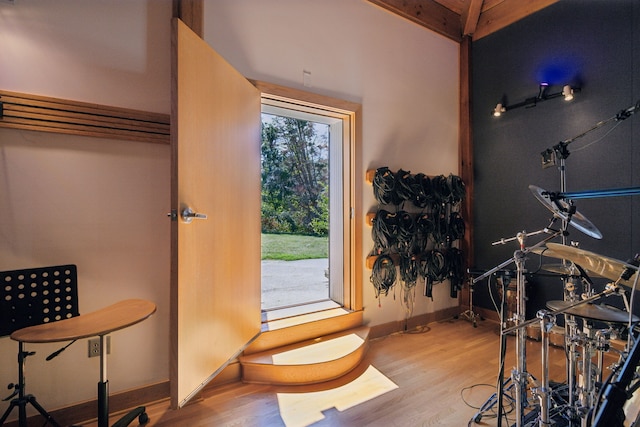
[286,283]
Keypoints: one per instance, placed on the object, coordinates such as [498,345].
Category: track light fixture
[497,112]
[567,93]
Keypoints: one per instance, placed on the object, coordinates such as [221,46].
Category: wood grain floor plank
[443,372]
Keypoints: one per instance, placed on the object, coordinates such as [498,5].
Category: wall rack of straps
[46,114]
[416,230]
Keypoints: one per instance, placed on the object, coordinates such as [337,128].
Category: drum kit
[587,398]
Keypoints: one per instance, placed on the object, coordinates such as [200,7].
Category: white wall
[102,204]
[98,203]
[111,52]
[405,77]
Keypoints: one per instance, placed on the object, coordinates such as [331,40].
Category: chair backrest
[35,296]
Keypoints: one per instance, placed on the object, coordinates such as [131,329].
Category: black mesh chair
[32,297]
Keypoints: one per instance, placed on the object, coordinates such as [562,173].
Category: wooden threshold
[297,310]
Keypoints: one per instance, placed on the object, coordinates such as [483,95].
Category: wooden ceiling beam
[191,12]
[471,16]
[505,13]
[477,18]
[427,13]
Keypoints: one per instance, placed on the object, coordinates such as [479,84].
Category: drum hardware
[561,269]
[609,268]
[598,312]
[561,204]
[497,398]
[561,151]
[616,392]
[566,211]
[592,342]
[519,375]
[602,346]
[605,267]
[571,343]
[543,393]
[470,314]
[571,332]
[590,373]
[598,341]
[594,194]
[543,316]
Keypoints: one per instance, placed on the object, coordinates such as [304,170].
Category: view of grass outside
[292,247]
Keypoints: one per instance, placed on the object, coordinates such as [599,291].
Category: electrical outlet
[94,346]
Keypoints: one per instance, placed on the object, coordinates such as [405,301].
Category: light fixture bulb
[497,112]
[542,89]
[567,92]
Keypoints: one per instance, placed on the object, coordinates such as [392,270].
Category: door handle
[189,215]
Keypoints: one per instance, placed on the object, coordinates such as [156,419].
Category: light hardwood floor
[436,376]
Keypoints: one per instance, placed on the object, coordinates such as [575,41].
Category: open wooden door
[215,262]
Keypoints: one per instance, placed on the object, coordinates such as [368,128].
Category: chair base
[138,413]
[21,404]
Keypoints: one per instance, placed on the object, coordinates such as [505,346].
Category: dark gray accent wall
[594,44]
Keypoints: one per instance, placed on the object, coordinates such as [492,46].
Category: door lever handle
[189,214]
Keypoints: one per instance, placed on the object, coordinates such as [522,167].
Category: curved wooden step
[292,330]
[308,362]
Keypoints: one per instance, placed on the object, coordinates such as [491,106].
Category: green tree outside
[295,173]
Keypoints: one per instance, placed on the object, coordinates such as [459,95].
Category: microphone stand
[549,158]
[560,150]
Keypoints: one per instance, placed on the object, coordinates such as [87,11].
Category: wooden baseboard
[487,314]
[385,329]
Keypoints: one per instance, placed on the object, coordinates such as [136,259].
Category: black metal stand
[469,314]
[496,398]
[23,304]
[23,399]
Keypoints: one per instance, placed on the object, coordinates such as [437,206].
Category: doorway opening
[307,206]
[296,191]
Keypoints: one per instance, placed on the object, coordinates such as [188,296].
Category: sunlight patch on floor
[320,351]
[304,409]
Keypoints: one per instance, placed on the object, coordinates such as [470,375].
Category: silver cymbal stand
[519,374]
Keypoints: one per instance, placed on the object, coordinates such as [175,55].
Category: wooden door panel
[215,290]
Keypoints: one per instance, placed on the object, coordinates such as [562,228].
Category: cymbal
[565,270]
[602,266]
[602,313]
[560,209]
